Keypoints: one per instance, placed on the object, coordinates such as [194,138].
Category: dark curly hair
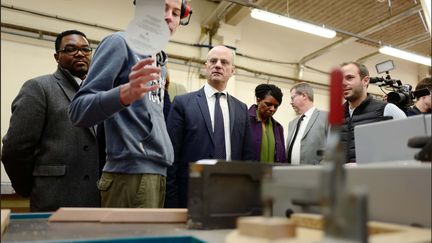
[66,33]
[268,89]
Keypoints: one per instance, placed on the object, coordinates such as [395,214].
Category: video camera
[400,94]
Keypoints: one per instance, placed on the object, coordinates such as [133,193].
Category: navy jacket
[189,127]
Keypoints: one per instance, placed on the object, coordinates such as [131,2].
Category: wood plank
[5,215]
[120,215]
[146,215]
[79,215]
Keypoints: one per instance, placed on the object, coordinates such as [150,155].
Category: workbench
[35,227]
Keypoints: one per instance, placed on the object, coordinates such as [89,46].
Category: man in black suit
[46,157]
[207,124]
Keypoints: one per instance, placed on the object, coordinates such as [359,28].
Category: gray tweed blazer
[314,139]
[44,155]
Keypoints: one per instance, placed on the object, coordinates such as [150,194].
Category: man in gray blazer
[307,133]
[45,156]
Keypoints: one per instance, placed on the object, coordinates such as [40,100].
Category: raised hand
[141,73]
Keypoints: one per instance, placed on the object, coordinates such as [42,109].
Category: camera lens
[396,98]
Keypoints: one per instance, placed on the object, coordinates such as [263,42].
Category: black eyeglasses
[73,50]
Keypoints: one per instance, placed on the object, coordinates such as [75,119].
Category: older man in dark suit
[207,124]
[45,156]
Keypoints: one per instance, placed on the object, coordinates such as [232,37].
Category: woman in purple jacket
[267,133]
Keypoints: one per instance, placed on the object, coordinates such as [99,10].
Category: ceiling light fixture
[426,5]
[405,55]
[292,23]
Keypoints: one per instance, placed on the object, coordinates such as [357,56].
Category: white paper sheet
[148,33]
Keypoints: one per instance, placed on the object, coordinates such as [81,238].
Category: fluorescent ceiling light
[292,23]
[405,55]
[426,5]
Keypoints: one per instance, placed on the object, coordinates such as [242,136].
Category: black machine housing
[220,193]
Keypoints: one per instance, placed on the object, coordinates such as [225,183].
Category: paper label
[148,33]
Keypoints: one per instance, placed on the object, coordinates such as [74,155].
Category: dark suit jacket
[191,133]
[44,155]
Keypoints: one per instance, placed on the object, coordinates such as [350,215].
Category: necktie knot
[218,95]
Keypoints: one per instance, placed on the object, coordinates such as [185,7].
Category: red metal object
[336,114]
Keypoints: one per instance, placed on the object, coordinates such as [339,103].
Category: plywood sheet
[120,215]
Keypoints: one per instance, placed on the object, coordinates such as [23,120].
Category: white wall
[20,62]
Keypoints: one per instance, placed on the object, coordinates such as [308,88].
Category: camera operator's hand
[425,143]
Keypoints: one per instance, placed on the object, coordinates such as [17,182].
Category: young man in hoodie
[138,147]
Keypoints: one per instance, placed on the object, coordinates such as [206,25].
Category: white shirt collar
[309,112]
[210,91]
[78,80]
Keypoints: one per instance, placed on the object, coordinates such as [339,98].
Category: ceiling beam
[236,15]
[210,24]
[241,10]
[381,25]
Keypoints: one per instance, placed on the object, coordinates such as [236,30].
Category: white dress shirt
[211,100]
[78,80]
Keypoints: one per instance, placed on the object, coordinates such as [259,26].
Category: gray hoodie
[137,141]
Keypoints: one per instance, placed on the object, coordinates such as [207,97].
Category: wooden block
[79,214]
[146,215]
[402,234]
[315,221]
[310,221]
[268,228]
[120,215]
[311,231]
[5,213]
[409,235]
[375,228]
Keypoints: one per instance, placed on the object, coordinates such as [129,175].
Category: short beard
[79,73]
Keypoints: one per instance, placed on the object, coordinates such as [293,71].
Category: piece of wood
[309,229]
[315,221]
[412,235]
[146,215]
[120,215]
[5,215]
[310,221]
[265,227]
[79,215]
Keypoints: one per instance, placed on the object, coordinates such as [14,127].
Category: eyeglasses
[293,97]
[73,50]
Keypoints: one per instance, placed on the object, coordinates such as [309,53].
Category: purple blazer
[256,127]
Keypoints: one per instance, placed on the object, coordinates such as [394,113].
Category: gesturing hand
[142,73]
